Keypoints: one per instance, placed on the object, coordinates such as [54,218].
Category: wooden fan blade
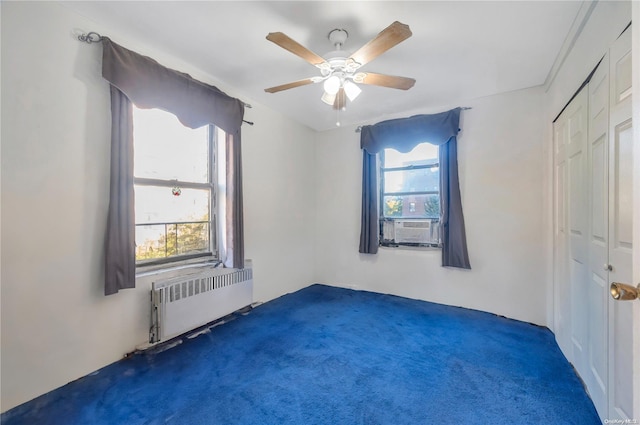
[391,81]
[296,48]
[388,37]
[341,99]
[291,85]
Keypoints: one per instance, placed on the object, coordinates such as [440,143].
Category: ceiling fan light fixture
[328,98]
[352,90]
[332,85]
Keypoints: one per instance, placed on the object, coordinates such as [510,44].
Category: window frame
[382,218]
[212,185]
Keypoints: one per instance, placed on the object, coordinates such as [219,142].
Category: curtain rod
[94,37]
[359,128]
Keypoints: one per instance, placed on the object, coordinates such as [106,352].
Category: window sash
[383,194]
[410,167]
[422,192]
[171,183]
[211,186]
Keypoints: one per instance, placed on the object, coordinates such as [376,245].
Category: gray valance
[150,85]
[404,134]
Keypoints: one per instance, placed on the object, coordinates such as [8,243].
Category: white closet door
[593,233]
[562,290]
[570,230]
[620,229]
[597,297]
[577,120]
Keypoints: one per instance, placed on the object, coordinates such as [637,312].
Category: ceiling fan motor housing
[338,58]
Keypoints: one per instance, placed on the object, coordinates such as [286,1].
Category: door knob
[624,292]
[608,267]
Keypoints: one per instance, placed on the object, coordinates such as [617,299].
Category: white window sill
[173,269]
[412,248]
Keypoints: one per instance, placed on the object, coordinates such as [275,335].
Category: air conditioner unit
[416,231]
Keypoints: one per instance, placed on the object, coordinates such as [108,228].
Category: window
[410,190]
[174,183]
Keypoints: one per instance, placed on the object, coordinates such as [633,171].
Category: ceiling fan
[339,72]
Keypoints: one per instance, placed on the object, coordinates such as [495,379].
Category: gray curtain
[141,80]
[234,207]
[369,231]
[120,272]
[452,229]
[403,135]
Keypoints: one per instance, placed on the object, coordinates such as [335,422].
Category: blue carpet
[326,355]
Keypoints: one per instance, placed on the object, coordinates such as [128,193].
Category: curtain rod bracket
[92,37]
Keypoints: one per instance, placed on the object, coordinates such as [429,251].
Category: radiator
[181,304]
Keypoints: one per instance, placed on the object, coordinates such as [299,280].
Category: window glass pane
[431,205]
[393,158]
[167,240]
[168,225]
[392,206]
[411,206]
[157,204]
[167,150]
[420,180]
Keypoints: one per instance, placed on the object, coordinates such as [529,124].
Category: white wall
[606,23]
[500,161]
[278,177]
[56,323]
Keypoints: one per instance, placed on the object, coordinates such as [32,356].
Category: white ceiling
[460,50]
